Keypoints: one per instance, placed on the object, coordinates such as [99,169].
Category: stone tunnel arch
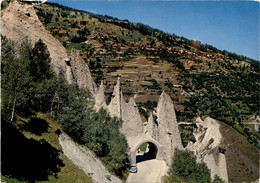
[153,153]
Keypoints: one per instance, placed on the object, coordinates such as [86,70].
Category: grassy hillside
[31,153]
[201,79]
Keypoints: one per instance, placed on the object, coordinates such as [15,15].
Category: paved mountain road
[150,171]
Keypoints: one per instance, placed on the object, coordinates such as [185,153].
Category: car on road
[133,169]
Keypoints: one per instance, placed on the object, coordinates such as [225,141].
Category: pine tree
[42,76]
[40,67]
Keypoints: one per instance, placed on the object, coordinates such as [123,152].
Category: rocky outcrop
[114,107]
[152,126]
[206,148]
[168,132]
[161,129]
[100,100]
[86,161]
[225,151]
[81,73]
[132,126]
[20,22]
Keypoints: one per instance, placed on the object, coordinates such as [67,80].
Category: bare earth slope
[20,22]
[86,161]
[242,158]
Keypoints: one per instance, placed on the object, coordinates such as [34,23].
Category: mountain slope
[199,83]
[201,79]
[27,26]
[34,87]
[32,30]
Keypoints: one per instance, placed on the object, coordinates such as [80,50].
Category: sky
[226,25]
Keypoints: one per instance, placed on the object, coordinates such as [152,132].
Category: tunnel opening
[146,151]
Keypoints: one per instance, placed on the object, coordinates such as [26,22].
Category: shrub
[184,168]
[148,105]
[143,112]
[217,179]
[97,130]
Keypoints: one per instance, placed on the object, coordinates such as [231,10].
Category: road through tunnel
[146,151]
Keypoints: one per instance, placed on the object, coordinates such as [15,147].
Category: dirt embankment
[86,161]
[20,22]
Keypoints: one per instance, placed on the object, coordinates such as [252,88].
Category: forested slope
[29,86]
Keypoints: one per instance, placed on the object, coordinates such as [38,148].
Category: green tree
[217,179]
[42,76]
[59,98]
[16,81]
[184,168]
[44,93]
[40,67]
[97,130]
[75,111]
[28,82]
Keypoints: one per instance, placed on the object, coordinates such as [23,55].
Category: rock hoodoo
[81,73]
[207,146]
[161,129]
[132,126]
[168,132]
[114,108]
[152,126]
[214,143]
[132,123]
[100,100]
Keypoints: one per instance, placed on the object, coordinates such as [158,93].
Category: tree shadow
[36,126]
[27,159]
